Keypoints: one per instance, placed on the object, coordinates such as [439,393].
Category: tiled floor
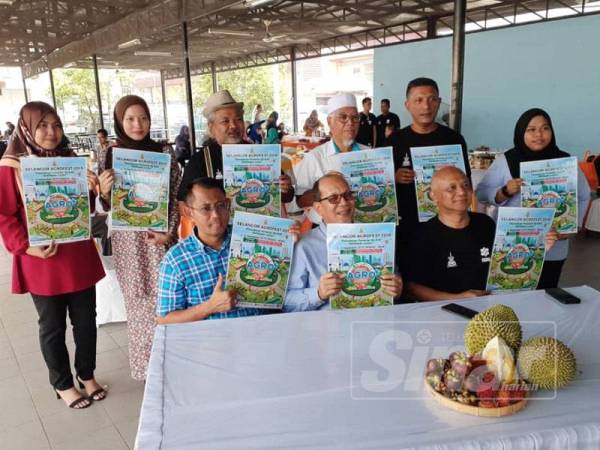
[30,415]
[32,418]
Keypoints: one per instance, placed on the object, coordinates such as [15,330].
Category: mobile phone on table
[460,310]
[563,296]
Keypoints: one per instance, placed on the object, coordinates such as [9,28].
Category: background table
[592,221]
[294,381]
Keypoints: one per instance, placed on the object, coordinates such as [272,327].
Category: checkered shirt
[188,275]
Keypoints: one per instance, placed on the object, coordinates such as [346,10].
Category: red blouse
[76,266]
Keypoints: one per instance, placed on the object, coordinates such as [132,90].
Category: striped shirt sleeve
[171,287]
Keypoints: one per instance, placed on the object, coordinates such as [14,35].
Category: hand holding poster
[361,253]
[251,178]
[57,203]
[519,249]
[426,161]
[370,175]
[259,260]
[552,183]
[140,195]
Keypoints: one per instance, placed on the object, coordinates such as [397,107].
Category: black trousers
[550,274]
[52,312]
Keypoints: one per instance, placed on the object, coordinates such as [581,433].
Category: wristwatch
[505,192]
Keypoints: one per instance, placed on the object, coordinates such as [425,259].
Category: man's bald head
[446,173]
[451,190]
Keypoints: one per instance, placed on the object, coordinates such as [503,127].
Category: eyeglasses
[344,118]
[206,210]
[334,199]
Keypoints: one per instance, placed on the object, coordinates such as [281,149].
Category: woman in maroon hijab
[60,278]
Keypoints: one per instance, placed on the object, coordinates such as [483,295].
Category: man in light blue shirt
[311,285]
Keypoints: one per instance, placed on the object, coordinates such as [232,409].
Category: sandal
[97,395]
[79,403]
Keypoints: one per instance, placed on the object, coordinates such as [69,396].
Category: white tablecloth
[304,380]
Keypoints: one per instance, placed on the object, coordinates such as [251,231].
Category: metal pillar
[188,85]
[164,101]
[458,64]
[294,90]
[52,88]
[213,73]
[98,98]
[24,86]
[431,27]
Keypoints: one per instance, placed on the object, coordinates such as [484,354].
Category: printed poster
[371,177]
[251,178]
[140,195]
[552,183]
[519,249]
[259,259]
[57,202]
[426,161]
[361,253]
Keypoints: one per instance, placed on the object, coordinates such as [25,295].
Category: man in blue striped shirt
[190,286]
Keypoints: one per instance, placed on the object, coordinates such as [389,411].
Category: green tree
[76,88]
[256,85]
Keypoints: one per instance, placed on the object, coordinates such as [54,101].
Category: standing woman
[183,148]
[257,113]
[60,278]
[138,254]
[272,130]
[534,140]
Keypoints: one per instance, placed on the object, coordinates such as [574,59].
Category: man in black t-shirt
[385,119]
[366,130]
[422,102]
[448,256]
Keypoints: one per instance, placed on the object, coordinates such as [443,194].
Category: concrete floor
[32,418]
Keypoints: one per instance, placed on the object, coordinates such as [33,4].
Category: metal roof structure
[229,34]
[182,38]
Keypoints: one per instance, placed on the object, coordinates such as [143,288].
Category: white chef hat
[342,100]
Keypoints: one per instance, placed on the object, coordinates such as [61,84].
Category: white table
[294,381]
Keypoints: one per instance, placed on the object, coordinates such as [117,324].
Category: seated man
[310,285]
[190,285]
[191,275]
[449,256]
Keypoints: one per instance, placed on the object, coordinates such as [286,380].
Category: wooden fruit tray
[476,410]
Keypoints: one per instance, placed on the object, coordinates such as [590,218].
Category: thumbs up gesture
[222,300]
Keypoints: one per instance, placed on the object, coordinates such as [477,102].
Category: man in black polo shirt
[422,102]
[448,256]
[385,119]
[367,130]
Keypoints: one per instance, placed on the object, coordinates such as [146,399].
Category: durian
[499,358]
[546,362]
[498,320]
